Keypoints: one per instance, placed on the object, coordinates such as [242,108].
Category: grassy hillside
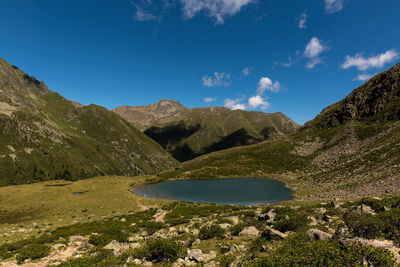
[188,133]
[353,157]
[43,136]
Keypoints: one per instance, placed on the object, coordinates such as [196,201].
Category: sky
[291,56]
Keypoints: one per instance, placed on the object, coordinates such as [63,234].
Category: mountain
[144,117]
[188,133]
[350,150]
[378,100]
[43,136]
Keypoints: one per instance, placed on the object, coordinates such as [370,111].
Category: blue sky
[293,56]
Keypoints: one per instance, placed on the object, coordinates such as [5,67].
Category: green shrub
[236,229]
[296,222]
[226,259]
[33,251]
[208,232]
[324,253]
[101,258]
[159,250]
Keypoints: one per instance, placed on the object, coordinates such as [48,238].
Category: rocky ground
[364,232]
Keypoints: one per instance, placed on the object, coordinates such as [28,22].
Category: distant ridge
[144,116]
[188,133]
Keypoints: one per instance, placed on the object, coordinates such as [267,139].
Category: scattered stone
[183,230]
[271,215]
[250,231]
[211,264]
[119,248]
[233,219]
[366,209]
[135,238]
[270,233]
[225,226]
[123,220]
[314,222]
[318,234]
[197,255]
[196,242]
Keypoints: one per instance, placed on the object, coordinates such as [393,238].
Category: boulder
[233,219]
[225,226]
[271,215]
[270,233]
[318,234]
[120,247]
[197,255]
[250,231]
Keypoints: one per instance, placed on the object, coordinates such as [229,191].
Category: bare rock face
[143,116]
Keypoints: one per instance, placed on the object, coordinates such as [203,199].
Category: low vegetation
[327,234]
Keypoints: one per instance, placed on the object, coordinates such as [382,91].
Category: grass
[40,207]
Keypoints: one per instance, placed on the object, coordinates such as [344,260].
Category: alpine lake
[224,191]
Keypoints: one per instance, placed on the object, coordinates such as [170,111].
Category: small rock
[314,222]
[271,215]
[123,220]
[318,234]
[196,242]
[270,233]
[147,264]
[225,226]
[198,255]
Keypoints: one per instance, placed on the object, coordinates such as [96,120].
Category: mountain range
[352,148]
[189,133]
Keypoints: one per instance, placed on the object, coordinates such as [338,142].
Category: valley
[62,203]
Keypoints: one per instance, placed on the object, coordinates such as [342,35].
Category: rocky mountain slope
[143,117]
[188,133]
[352,149]
[44,136]
[378,100]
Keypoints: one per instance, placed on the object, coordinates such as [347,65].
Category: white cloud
[141,14]
[209,99]
[313,49]
[217,9]
[234,104]
[362,63]
[217,79]
[333,6]
[363,77]
[266,83]
[303,20]
[246,71]
[313,62]
[258,101]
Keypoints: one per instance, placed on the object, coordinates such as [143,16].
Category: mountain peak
[143,116]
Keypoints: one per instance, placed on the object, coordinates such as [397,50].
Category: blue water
[238,191]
